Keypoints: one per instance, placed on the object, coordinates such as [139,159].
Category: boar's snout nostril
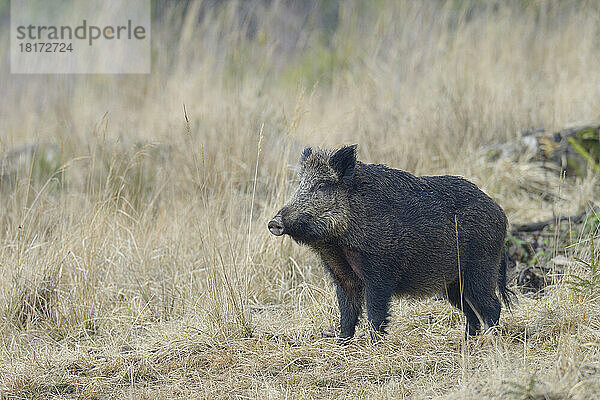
[276,226]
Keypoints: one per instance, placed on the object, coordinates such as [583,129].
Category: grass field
[134,256]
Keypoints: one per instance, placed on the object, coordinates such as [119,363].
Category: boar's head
[319,209]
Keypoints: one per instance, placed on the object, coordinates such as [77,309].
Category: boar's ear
[305,153]
[343,161]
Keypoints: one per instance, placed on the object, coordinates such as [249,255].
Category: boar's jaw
[300,227]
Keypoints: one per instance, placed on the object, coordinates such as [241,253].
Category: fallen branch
[538,226]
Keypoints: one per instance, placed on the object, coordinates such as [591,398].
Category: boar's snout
[276,225]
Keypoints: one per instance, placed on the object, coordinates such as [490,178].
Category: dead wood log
[538,226]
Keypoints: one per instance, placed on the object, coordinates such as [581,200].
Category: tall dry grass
[134,258]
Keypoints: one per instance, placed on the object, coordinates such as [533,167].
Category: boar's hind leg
[350,298]
[480,292]
[488,306]
[473,324]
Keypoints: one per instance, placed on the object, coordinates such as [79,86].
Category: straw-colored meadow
[134,256]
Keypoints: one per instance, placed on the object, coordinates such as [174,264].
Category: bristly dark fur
[382,232]
[506,294]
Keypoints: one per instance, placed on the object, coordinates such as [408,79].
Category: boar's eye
[322,186]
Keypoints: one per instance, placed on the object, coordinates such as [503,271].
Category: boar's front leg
[378,293]
[350,298]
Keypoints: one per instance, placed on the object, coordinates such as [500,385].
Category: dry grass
[134,257]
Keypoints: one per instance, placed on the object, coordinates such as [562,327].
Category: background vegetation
[134,255]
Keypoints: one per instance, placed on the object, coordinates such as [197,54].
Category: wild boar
[382,232]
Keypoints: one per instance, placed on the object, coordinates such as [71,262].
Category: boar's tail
[506,294]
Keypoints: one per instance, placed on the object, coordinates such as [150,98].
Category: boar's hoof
[276,226]
[343,341]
